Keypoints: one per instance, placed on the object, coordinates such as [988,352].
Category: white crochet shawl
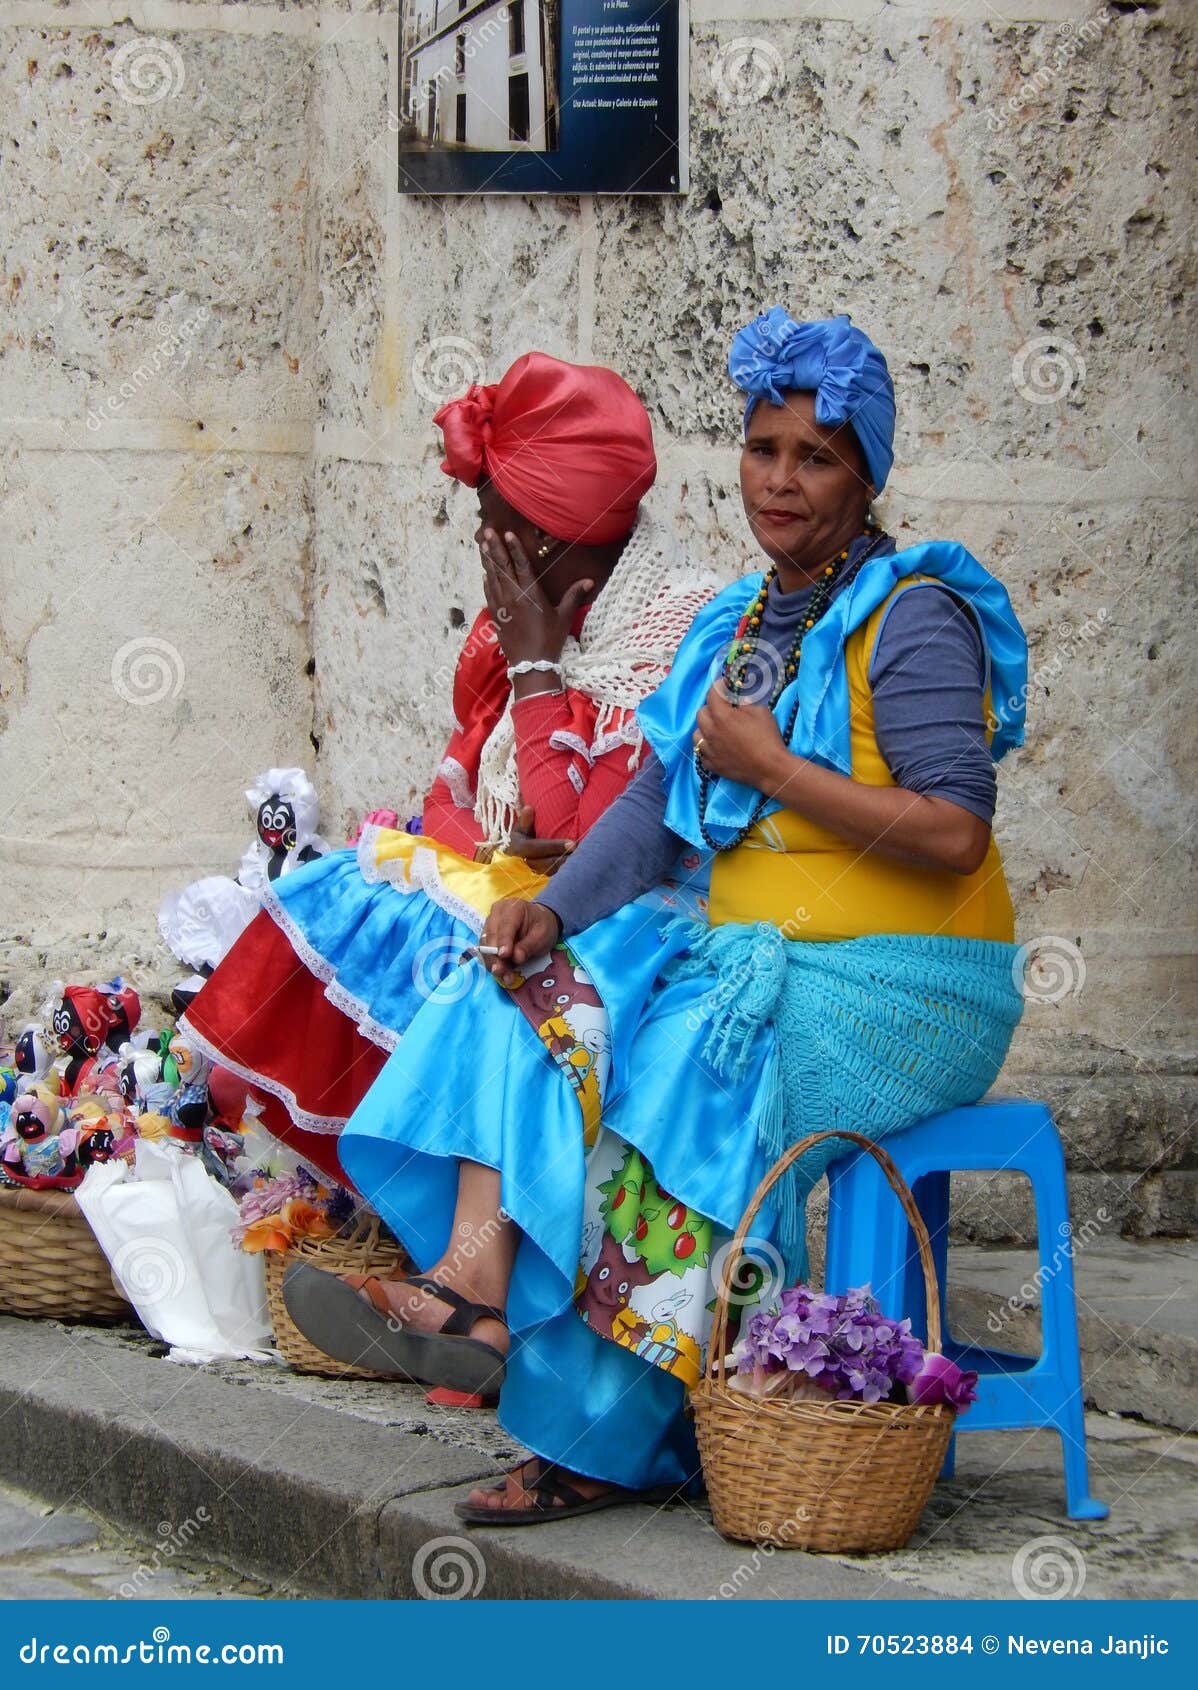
[624,652]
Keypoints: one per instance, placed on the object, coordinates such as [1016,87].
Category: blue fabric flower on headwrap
[837,362]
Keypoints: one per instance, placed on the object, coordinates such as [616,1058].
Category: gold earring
[544,551]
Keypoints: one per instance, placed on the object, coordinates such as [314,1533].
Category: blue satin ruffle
[667,716]
[385,949]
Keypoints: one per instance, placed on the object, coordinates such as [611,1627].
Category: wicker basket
[50,1264]
[362,1251]
[818,1474]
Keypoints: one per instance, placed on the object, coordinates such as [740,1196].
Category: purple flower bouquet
[814,1345]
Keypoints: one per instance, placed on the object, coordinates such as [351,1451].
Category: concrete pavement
[315,1487]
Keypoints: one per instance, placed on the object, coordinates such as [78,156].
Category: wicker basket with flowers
[299,1217]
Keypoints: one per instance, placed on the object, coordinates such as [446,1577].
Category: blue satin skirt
[471,1080]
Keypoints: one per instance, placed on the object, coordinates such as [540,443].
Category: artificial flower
[266,1233]
[941,1380]
[305,1220]
[280,1209]
[842,1345]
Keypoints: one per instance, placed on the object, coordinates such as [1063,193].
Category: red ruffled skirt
[265,1016]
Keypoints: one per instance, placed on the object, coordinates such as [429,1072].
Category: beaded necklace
[744,645]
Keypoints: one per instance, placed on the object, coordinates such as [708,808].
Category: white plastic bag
[165,1230]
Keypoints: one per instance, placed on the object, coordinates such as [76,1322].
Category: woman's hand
[520,931]
[528,625]
[546,856]
[740,741]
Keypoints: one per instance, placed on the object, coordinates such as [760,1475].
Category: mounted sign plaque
[542,96]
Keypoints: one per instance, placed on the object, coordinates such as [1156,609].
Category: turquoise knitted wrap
[872,1035]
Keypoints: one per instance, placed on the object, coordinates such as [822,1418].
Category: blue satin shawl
[667,716]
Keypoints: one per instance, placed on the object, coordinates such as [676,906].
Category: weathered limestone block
[479,282]
[1166,1204]
[154,659]
[397,583]
[867,178]
[997,1208]
[155,256]
[156,370]
[989,1208]
[351,172]
[1115,1118]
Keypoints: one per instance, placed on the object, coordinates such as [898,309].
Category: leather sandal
[556,1498]
[330,1314]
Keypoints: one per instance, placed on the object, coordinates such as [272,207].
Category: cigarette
[488,950]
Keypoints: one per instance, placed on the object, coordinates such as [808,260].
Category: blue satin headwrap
[837,362]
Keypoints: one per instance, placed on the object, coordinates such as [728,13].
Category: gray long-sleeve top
[927,675]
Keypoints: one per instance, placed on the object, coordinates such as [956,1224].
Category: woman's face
[805,486]
[555,573]
[495,512]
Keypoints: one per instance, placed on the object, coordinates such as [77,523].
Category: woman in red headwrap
[586,601]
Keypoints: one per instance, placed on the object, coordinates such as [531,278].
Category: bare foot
[415,1307]
[514,1493]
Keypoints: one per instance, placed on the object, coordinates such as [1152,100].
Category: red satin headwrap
[568,445]
[97,1008]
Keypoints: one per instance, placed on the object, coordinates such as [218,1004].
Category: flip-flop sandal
[332,1315]
[556,1499]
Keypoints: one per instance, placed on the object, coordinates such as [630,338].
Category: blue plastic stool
[870,1241]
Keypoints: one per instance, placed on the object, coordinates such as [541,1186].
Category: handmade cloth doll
[91,1023]
[38,1147]
[285,810]
[201,923]
[34,1055]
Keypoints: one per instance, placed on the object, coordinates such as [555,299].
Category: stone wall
[227,542]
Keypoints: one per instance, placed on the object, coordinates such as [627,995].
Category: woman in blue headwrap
[795,918]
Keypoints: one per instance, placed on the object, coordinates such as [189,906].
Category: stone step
[325,1487]
[1137,1317]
